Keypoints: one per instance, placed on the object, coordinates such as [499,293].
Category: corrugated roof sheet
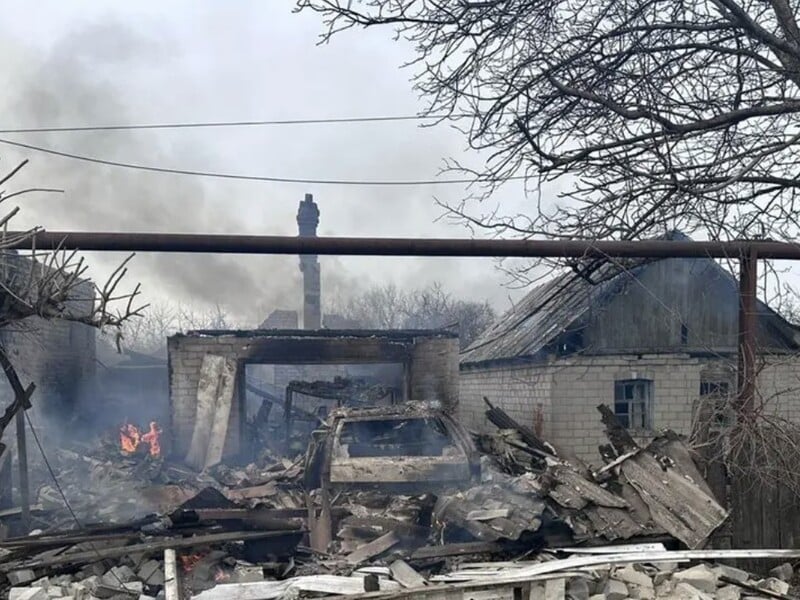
[553,307]
[544,313]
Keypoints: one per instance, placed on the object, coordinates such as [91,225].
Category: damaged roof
[562,305]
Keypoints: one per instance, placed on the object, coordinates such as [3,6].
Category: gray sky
[90,62]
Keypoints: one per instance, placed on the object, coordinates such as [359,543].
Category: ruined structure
[428,359]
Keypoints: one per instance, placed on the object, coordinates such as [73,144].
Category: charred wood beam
[500,419]
[146,548]
[352,246]
[619,437]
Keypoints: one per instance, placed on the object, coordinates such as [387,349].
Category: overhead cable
[205,124]
[244,177]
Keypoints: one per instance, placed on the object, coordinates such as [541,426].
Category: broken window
[715,397]
[633,400]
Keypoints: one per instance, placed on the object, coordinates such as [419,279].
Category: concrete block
[27,593]
[247,573]
[21,577]
[615,590]
[151,573]
[684,591]
[577,589]
[701,577]
[773,584]
[120,573]
[729,592]
[630,575]
[732,573]
[783,572]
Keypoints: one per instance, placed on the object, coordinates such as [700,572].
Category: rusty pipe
[366,246]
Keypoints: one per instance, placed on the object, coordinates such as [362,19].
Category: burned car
[409,446]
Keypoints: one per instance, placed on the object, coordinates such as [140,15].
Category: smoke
[72,84]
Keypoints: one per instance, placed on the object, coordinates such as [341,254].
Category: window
[633,399]
[716,398]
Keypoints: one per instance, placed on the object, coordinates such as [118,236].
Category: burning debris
[131,437]
[392,500]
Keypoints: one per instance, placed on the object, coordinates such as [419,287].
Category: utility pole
[748,328]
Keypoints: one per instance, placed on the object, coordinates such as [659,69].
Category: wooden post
[6,501]
[288,421]
[748,327]
[22,460]
[172,581]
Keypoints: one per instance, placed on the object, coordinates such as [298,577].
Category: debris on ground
[519,516]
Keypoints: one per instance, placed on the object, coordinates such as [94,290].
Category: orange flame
[188,561]
[152,438]
[130,437]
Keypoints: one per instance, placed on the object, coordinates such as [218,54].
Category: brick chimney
[307,221]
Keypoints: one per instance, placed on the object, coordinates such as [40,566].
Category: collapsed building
[337,462]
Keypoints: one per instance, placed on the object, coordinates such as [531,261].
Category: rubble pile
[395,507]
[703,581]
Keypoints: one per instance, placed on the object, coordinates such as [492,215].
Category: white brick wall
[568,391]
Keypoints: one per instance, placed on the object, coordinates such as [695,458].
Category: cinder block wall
[434,371]
[433,376]
[185,359]
[58,356]
[581,384]
[523,391]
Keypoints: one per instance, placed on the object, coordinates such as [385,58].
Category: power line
[242,177]
[206,124]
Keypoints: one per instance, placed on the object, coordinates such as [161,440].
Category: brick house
[657,341]
[59,356]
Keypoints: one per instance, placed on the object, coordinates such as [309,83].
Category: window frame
[639,406]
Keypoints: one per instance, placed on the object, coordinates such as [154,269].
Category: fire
[151,438]
[130,437]
[188,561]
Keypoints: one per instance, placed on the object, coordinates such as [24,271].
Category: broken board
[215,392]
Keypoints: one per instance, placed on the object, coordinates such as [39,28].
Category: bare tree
[148,334]
[51,284]
[386,307]
[660,113]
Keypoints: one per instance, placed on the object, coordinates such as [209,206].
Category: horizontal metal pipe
[364,246]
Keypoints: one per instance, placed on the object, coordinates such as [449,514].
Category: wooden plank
[207,392]
[406,575]
[258,491]
[10,512]
[464,548]
[222,414]
[373,548]
[268,590]
[172,584]
[157,546]
[612,549]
